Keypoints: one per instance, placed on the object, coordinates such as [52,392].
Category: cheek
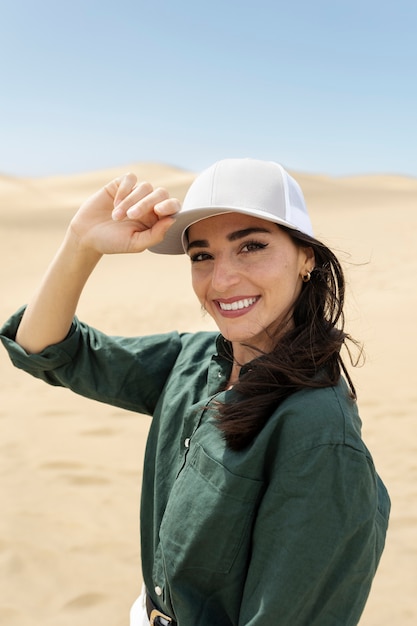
[282,277]
[197,285]
[293,266]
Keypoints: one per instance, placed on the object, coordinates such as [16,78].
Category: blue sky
[323,87]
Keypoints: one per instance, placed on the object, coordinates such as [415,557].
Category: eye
[200,256]
[253,246]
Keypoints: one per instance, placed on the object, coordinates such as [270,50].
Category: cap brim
[173,240]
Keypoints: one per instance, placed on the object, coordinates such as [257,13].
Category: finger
[146,205]
[127,183]
[171,206]
[133,196]
[112,188]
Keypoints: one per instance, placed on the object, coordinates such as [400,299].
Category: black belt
[156,618]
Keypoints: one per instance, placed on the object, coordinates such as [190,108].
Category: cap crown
[259,188]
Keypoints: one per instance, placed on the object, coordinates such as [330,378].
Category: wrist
[77,253]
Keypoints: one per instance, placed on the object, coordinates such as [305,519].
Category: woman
[260,501]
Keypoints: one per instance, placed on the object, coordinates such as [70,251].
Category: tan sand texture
[70,469]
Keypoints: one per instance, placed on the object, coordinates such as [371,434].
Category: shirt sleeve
[317,541]
[128,372]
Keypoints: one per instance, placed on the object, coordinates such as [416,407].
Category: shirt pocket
[208,517]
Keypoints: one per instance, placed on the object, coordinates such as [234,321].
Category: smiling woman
[260,500]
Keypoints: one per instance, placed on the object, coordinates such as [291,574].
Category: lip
[236,307]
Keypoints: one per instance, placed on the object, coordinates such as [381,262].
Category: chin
[245,339]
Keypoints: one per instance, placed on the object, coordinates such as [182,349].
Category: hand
[124,216]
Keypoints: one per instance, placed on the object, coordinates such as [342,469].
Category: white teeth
[238,304]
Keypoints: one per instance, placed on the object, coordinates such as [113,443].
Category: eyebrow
[234,236]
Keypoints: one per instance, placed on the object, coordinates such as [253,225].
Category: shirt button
[158,591]
[187,442]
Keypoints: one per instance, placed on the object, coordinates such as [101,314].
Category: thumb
[147,238]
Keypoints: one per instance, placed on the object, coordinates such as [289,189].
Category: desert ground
[70,469]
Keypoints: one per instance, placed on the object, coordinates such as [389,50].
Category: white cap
[259,188]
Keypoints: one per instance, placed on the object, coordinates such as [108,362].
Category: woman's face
[246,272]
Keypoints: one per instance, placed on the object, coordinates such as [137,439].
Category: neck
[243,354]
[234,375]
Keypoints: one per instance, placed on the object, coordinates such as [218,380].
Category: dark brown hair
[305,356]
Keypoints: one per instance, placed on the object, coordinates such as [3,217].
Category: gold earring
[307,277]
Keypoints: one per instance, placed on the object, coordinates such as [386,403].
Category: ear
[308,258]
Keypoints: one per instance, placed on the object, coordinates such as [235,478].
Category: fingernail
[163,210]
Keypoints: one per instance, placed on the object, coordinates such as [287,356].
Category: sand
[70,469]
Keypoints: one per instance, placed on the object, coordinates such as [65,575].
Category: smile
[237,305]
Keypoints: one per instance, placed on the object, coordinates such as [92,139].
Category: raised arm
[122,217]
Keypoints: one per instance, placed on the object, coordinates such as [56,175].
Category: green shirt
[287,532]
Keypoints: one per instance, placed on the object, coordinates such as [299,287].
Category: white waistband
[138,614]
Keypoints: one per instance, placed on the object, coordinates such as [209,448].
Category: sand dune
[70,469]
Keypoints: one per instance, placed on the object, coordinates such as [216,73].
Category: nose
[224,275]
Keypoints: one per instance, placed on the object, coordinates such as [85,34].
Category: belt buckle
[157,618]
